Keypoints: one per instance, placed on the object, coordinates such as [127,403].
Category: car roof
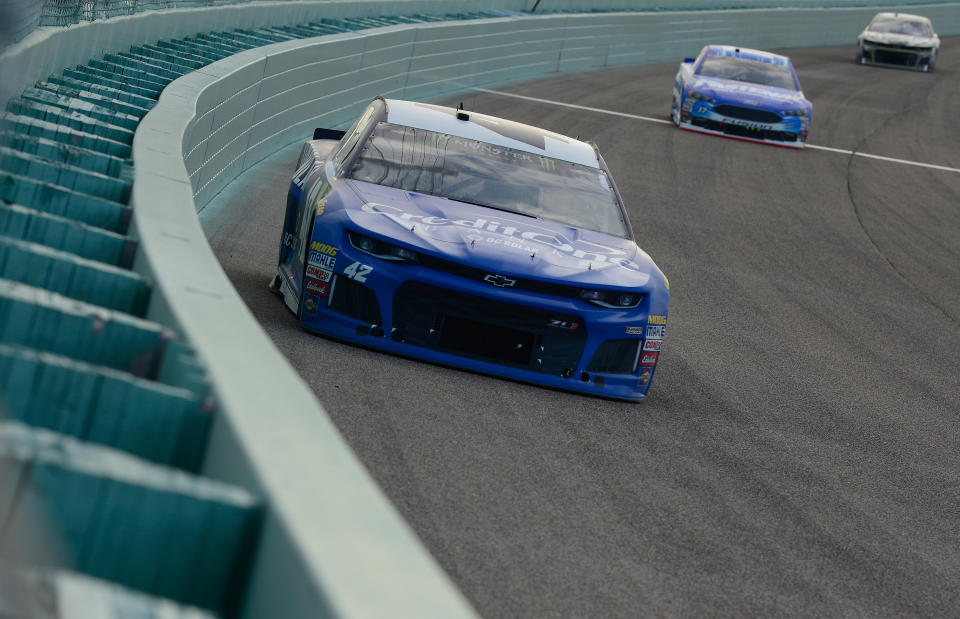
[903,17]
[491,130]
[745,52]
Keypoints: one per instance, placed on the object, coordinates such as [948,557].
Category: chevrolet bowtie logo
[500,281]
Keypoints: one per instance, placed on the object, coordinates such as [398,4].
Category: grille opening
[486,329]
[905,59]
[355,300]
[744,132]
[748,113]
[615,357]
[471,337]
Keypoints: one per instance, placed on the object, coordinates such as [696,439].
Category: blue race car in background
[741,93]
[475,242]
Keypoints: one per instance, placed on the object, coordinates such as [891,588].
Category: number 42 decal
[358,272]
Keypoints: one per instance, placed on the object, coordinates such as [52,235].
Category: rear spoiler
[327,134]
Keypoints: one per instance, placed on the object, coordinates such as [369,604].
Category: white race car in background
[900,40]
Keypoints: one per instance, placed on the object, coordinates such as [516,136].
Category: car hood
[892,38]
[498,241]
[756,94]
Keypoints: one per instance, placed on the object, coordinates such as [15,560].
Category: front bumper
[917,59]
[703,117]
[416,311]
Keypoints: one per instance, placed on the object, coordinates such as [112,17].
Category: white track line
[841,151]
[576,107]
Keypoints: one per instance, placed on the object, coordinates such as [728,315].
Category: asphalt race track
[799,453]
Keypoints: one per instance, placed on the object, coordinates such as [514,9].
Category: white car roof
[904,17]
[746,52]
[491,130]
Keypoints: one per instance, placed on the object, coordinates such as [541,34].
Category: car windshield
[747,70]
[498,177]
[901,26]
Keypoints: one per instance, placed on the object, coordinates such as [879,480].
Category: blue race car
[475,242]
[743,94]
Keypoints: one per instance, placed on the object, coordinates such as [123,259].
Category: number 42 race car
[475,242]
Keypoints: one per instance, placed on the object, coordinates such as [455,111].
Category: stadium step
[74,277]
[36,127]
[184,60]
[120,518]
[98,96]
[70,118]
[94,110]
[65,175]
[161,423]
[92,76]
[63,202]
[60,152]
[64,234]
[48,322]
[75,596]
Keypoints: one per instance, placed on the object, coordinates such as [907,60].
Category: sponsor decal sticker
[649,358]
[310,304]
[323,248]
[652,345]
[321,204]
[316,272]
[645,377]
[655,332]
[593,254]
[321,260]
[316,287]
[634,330]
[656,320]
